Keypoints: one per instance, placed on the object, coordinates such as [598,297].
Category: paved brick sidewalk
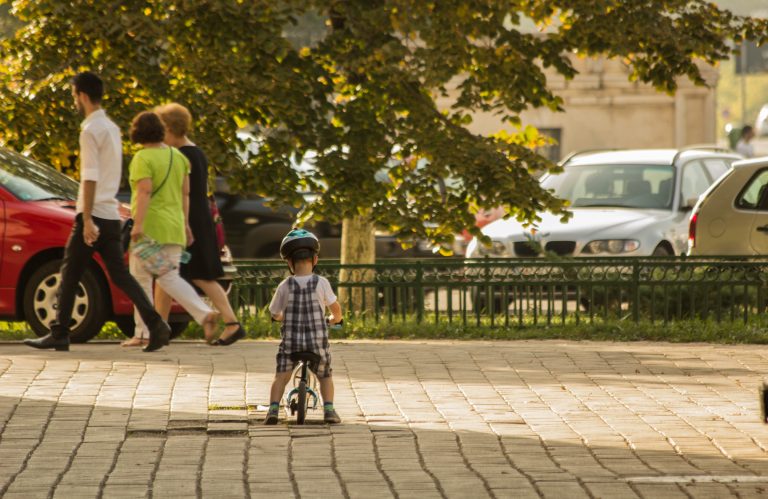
[443,419]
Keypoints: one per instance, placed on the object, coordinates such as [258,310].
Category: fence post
[419,293]
[234,297]
[635,291]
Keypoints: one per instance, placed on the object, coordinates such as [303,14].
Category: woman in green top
[159,178]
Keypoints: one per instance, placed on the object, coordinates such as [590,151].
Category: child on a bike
[299,303]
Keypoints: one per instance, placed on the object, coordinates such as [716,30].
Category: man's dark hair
[302,254]
[89,84]
[747,129]
[147,128]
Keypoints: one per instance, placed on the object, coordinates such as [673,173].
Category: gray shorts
[322,370]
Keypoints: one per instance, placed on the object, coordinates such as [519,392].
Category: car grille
[560,248]
[524,248]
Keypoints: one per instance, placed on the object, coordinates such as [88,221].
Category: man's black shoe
[159,336]
[50,341]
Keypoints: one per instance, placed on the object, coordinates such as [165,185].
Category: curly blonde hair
[176,118]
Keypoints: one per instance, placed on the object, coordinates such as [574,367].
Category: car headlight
[611,246]
[497,250]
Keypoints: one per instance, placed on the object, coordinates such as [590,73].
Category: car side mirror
[688,204]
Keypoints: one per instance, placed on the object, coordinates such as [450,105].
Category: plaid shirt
[304,328]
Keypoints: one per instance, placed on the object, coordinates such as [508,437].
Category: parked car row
[624,203]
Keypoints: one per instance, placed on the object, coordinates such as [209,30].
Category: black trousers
[77,256]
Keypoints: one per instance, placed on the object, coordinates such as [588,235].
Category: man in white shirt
[97,224]
[743,146]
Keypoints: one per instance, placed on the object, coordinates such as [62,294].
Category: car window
[716,167]
[695,181]
[624,186]
[749,197]
[31,180]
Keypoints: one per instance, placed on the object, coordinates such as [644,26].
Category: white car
[731,218]
[624,203]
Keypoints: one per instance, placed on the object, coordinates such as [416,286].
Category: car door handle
[763,228]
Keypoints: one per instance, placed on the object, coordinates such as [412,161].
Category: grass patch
[685,331]
[10,331]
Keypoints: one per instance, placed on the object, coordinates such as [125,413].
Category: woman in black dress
[205,265]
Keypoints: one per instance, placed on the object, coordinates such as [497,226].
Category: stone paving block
[569,489]
[124,492]
[374,490]
[272,490]
[503,493]
[25,495]
[704,490]
[70,491]
[614,489]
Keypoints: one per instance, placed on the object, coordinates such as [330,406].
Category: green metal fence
[518,292]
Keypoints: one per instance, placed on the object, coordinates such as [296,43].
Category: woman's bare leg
[218,296]
[162,302]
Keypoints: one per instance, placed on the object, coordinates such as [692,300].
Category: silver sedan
[624,203]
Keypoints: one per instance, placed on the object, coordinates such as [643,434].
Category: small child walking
[299,303]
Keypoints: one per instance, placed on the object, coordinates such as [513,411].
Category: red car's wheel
[40,301]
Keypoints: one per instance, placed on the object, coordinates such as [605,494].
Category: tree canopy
[361,97]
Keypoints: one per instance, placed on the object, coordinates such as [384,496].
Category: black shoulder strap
[154,191]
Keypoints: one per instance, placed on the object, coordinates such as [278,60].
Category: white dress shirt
[101,160]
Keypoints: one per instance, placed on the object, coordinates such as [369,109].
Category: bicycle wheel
[301,403]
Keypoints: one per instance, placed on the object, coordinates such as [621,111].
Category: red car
[37,210]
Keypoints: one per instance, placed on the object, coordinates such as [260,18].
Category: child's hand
[332,322]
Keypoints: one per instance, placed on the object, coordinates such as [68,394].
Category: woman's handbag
[154,258]
[218,224]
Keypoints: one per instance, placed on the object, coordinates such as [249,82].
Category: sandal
[209,327]
[239,334]
[135,342]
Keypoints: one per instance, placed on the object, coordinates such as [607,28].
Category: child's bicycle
[304,395]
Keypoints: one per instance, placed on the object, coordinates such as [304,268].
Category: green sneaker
[331,417]
[272,416]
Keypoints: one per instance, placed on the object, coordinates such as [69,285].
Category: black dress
[205,263]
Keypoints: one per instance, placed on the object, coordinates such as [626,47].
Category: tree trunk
[358,246]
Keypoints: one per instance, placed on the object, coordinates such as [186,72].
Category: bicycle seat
[308,357]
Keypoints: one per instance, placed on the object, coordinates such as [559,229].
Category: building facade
[603,109]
